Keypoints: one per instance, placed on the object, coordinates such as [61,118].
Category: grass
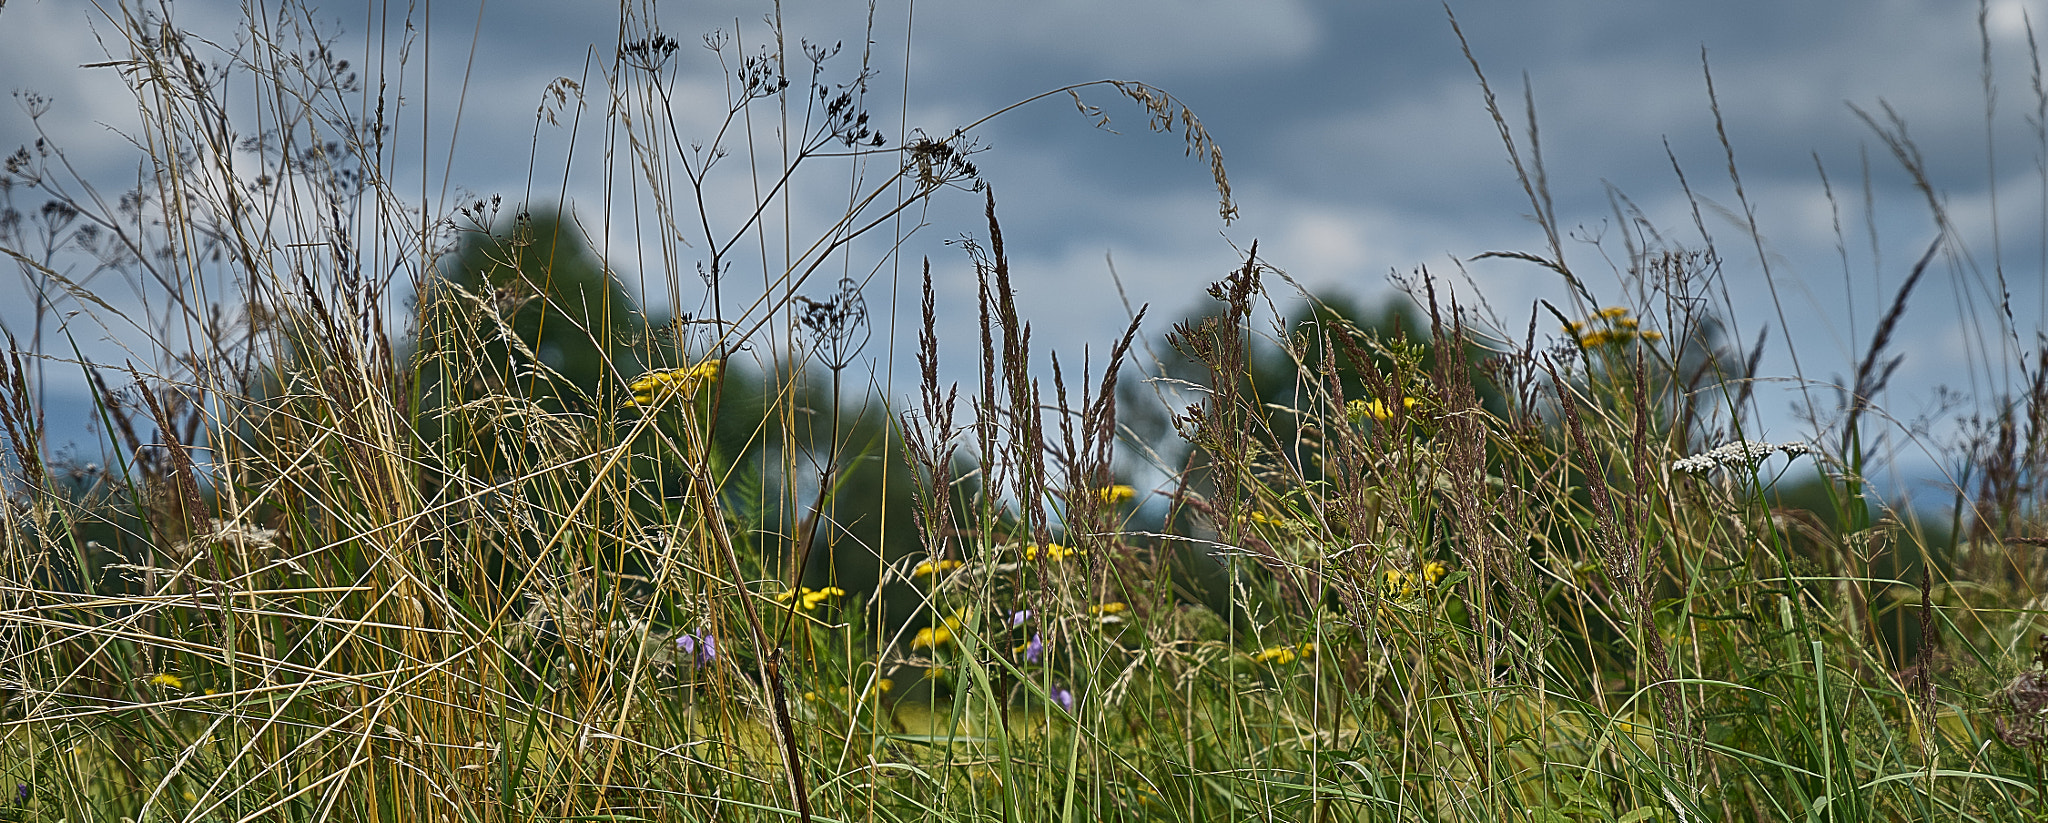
[536,552]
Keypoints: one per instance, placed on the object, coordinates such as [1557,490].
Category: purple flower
[703,647]
[1064,697]
[1017,618]
[1036,649]
[21,793]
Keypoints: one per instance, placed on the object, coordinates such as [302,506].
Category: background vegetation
[533,551]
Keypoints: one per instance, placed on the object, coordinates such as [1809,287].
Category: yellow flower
[1109,608]
[661,384]
[167,681]
[1118,493]
[932,637]
[932,567]
[1375,410]
[1433,571]
[1653,336]
[809,599]
[1053,551]
[1283,655]
[1612,312]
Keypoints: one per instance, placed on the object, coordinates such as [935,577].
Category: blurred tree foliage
[527,323]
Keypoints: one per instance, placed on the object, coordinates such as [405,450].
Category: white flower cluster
[1742,453]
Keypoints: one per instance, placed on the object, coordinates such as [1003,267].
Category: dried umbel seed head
[2022,710]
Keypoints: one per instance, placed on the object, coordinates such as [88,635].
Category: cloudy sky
[1355,136]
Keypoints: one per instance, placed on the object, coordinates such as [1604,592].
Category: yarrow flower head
[663,384]
[1745,454]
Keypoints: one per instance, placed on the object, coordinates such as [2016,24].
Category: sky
[1355,135]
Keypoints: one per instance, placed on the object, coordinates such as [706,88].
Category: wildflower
[932,637]
[1433,571]
[702,647]
[21,793]
[167,681]
[1118,494]
[1399,582]
[932,567]
[662,384]
[1033,650]
[1017,618]
[809,598]
[1063,696]
[1283,655]
[1109,608]
[1744,454]
[1376,410]
[1053,552]
[1607,327]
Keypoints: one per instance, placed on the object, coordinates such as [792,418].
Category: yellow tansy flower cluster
[1376,410]
[1109,608]
[932,637]
[1283,655]
[1118,494]
[662,384]
[932,567]
[1403,584]
[807,598]
[167,681]
[1610,326]
[1053,551]
[880,688]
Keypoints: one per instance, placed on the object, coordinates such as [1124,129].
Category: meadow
[407,516]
